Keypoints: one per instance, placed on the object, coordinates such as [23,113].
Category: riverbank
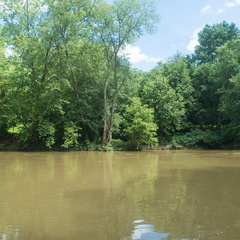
[116,145]
[194,139]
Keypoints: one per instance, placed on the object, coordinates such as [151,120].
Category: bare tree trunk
[109,125]
[111,121]
[105,124]
[105,120]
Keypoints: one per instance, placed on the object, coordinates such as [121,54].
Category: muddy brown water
[149,195]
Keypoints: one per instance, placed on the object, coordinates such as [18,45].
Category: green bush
[118,145]
[139,126]
[200,138]
[90,146]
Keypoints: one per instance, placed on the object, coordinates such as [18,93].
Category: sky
[181,20]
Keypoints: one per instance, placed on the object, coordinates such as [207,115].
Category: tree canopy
[212,37]
[64,83]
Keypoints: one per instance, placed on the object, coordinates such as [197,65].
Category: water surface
[151,195]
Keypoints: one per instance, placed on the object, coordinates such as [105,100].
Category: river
[149,195]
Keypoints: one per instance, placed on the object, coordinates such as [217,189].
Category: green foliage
[212,37]
[168,89]
[54,74]
[205,109]
[67,82]
[47,131]
[139,126]
[227,65]
[118,145]
[230,107]
[107,148]
[200,138]
[227,73]
[168,106]
[71,135]
[117,25]
[90,146]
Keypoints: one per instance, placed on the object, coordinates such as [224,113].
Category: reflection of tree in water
[69,198]
[196,204]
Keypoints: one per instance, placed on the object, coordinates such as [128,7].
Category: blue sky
[181,20]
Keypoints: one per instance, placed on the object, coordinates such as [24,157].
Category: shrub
[139,127]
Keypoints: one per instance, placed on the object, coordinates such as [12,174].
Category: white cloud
[212,10]
[135,55]
[232,3]
[206,8]
[9,52]
[194,40]
[192,44]
[221,10]
[229,4]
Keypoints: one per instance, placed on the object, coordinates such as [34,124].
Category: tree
[205,109]
[26,101]
[64,52]
[117,25]
[5,69]
[79,62]
[168,90]
[168,107]
[139,126]
[227,73]
[179,76]
[230,108]
[37,105]
[227,65]
[212,37]
[206,78]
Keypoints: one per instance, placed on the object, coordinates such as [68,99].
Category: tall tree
[169,90]
[117,25]
[5,69]
[212,37]
[168,106]
[227,73]
[205,109]
[79,61]
[206,78]
[44,35]
[178,73]
[22,29]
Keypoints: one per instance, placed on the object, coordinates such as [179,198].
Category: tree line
[65,83]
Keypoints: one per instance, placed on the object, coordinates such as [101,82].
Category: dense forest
[66,84]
